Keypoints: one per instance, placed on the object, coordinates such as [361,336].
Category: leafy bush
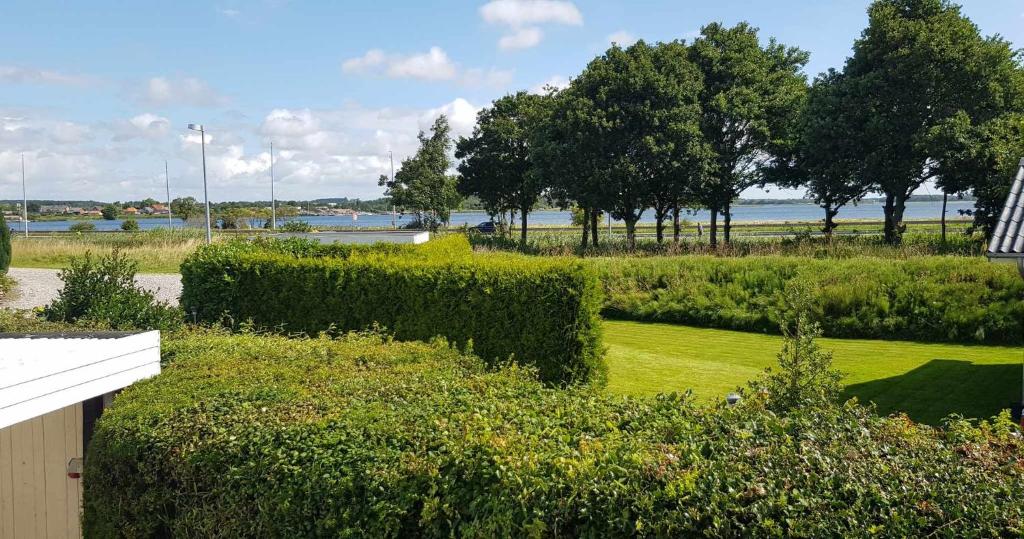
[245,436]
[295,225]
[130,225]
[926,298]
[103,290]
[536,312]
[5,245]
[82,226]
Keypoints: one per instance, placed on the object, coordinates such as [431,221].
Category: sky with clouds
[97,95]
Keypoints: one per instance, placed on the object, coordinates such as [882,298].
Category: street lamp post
[167,185]
[24,197]
[273,204]
[206,194]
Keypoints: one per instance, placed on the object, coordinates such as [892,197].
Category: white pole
[394,218]
[24,197]
[206,194]
[273,205]
[167,184]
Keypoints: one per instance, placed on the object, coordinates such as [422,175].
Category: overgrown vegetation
[248,435]
[539,312]
[103,291]
[160,250]
[928,298]
[5,246]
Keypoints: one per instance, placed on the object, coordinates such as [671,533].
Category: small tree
[130,225]
[423,185]
[805,377]
[184,207]
[110,212]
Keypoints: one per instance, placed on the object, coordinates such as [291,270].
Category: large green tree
[920,71]
[184,208]
[423,186]
[750,101]
[496,159]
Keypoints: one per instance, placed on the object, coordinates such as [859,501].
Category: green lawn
[927,381]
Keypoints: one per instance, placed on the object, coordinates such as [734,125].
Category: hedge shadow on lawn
[941,387]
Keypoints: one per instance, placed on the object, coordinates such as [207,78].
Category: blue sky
[97,94]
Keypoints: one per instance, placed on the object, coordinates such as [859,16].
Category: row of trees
[675,126]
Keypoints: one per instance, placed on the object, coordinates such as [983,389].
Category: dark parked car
[486,227]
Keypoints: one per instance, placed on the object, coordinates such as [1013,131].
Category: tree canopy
[423,186]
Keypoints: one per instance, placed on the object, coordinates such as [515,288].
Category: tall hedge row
[926,298]
[536,312]
[5,246]
[245,436]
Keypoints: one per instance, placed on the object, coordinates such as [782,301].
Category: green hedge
[246,436]
[536,312]
[5,246]
[925,298]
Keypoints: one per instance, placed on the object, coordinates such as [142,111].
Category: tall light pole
[273,205]
[391,156]
[167,184]
[24,197]
[206,194]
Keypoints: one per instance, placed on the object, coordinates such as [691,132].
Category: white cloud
[558,82]
[288,123]
[146,125]
[70,133]
[26,75]
[523,38]
[229,13]
[161,91]
[461,116]
[433,65]
[516,13]
[622,38]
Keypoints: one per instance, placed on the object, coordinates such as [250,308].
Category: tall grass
[155,251]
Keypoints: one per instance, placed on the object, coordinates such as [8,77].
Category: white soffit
[43,373]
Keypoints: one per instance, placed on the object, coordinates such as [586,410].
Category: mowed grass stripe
[927,381]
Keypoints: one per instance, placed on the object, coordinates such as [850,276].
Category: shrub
[130,225]
[246,436]
[925,298]
[82,226]
[5,246]
[103,290]
[295,225]
[534,311]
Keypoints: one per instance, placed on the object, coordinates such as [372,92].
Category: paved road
[38,287]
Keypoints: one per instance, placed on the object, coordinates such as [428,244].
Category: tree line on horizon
[672,126]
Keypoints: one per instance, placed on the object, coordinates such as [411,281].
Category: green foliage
[423,185]
[110,212]
[183,208]
[928,298]
[82,226]
[536,312]
[130,225]
[103,290]
[295,225]
[245,436]
[5,246]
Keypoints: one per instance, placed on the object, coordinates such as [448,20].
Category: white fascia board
[40,375]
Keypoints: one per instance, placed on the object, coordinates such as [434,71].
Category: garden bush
[103,291]
[82,226]
[256,436]
[532,311]
[130,225]
[922,298]
[5,246]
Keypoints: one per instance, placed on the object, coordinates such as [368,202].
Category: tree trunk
[675,222]
[727,225]
[713,233]
[593,225]
[659,223]
[522,233]
[586,228]
[631,232]
[895,204]
[830,222]
[511,221]
[945,198]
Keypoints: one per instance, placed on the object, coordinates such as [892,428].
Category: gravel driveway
[38,287]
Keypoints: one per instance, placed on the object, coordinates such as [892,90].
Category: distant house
[76,211]
[130,211]
[53,209]
[160,209]
[148,210]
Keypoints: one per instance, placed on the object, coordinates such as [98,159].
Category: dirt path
[38,287]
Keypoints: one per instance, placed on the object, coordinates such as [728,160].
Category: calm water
[773,212]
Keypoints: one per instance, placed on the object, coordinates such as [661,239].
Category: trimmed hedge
[926,298]
[5,246]
[247,436]
[535,312]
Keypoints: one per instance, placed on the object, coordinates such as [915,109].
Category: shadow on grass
[942,387]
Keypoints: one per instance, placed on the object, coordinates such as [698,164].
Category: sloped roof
[1008,237]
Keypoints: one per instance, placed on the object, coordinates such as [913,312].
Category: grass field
[927,381]
[156,251]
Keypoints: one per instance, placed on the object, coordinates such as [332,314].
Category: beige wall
[37,498]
